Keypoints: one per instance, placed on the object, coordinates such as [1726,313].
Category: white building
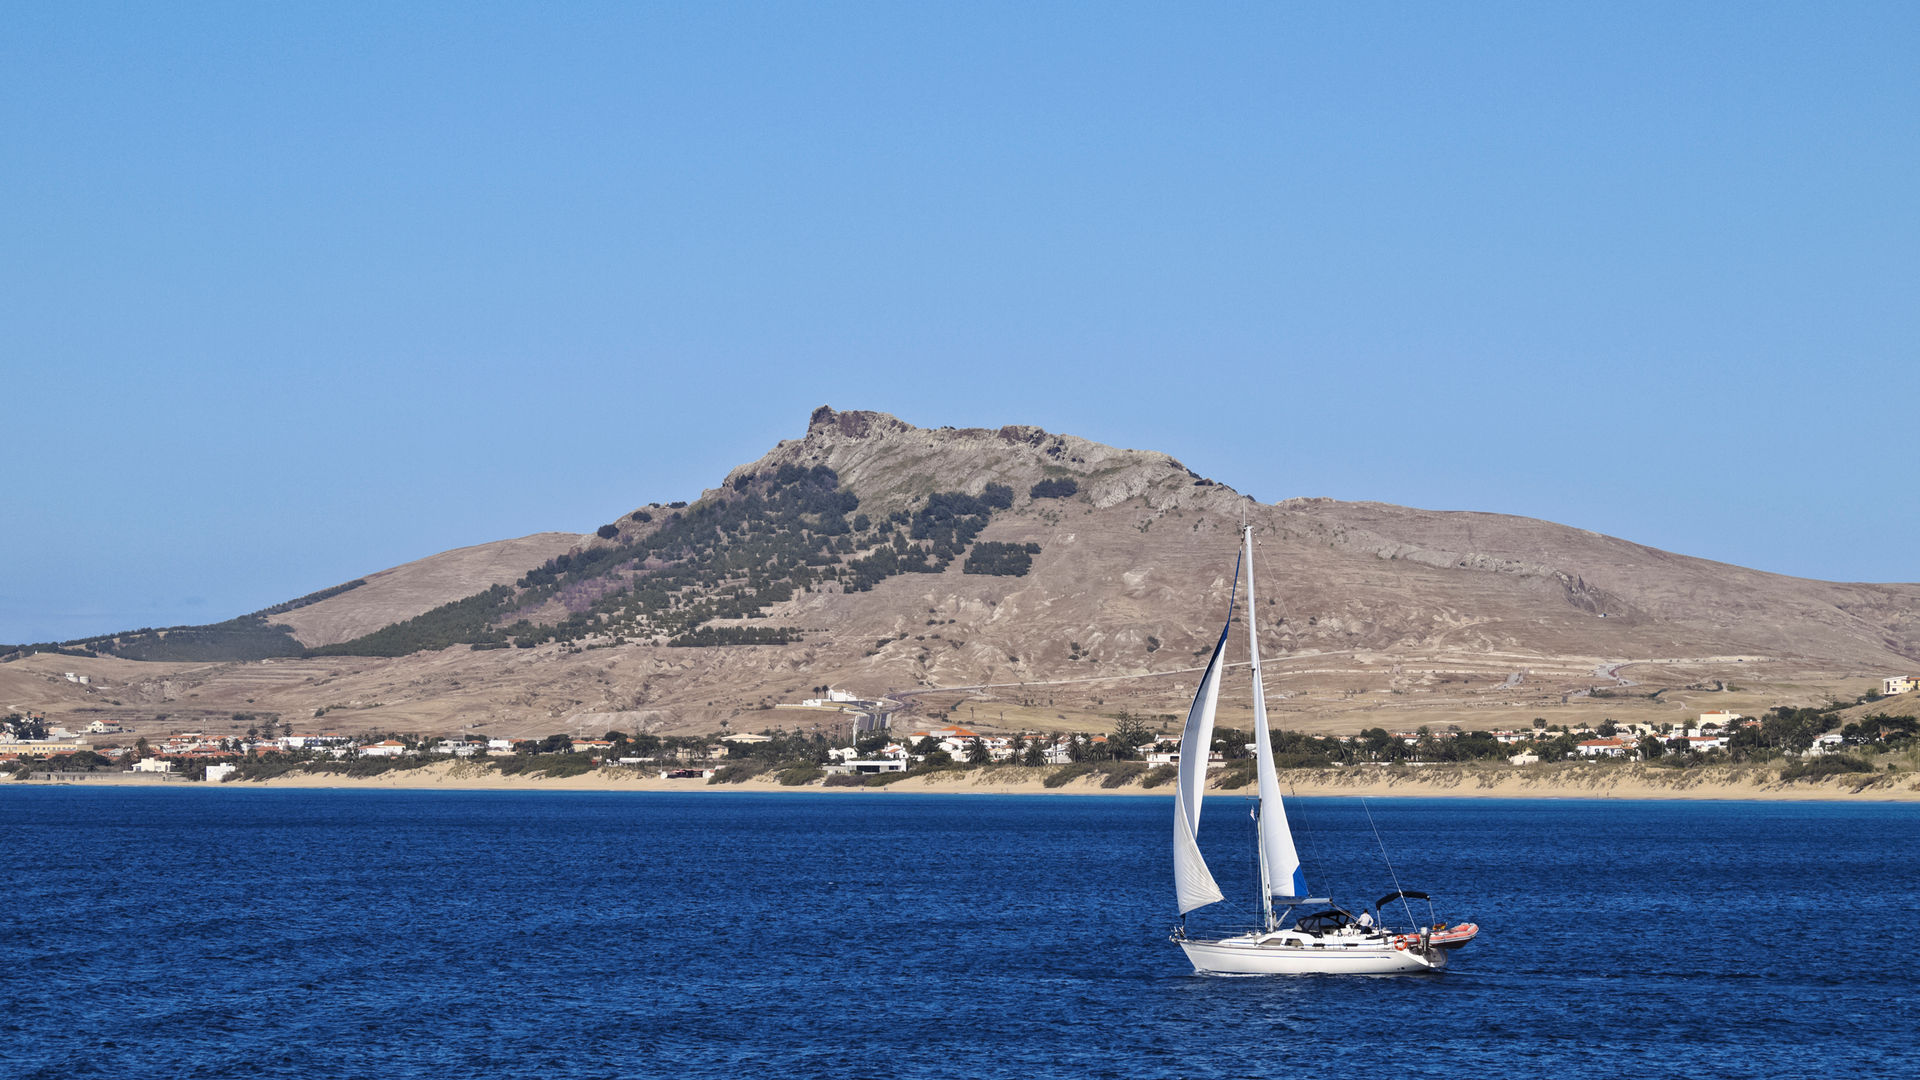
[313,742]
[218,773]
[1830,743]
[153,765]
[1604,748]
[389,748]
[1900,684]
[834,697]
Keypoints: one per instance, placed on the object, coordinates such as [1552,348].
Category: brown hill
[1372,614]
[409,589]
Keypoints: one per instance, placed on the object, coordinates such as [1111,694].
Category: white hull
[1287,953]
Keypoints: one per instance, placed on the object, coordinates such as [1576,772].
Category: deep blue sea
[191,932]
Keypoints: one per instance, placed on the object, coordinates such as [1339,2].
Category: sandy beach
[1569,781]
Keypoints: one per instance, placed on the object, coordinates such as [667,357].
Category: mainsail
[1280,873]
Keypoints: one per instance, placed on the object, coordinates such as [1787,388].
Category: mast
[1261,747]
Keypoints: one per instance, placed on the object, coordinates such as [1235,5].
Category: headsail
[1279,860]
[1193,882]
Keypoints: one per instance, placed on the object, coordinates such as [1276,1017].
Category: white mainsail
[1281,875]
[1192,881]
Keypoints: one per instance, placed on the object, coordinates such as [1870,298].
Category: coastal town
[876,753]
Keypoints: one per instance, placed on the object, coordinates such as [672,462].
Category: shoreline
[1752,783]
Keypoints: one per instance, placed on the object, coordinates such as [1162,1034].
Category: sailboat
[1328,941]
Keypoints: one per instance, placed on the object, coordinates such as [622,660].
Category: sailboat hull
[1267,954]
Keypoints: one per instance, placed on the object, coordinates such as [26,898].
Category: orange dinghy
[1452,937]
[1436,933]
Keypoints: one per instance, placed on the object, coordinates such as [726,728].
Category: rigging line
[1391,872]
[1274,596]
[1312,834]
[1233,601]
[1259,856]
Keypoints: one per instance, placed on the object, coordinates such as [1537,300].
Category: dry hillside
[1372,614]
[409,589]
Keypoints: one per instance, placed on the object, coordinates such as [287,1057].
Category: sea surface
[193,932]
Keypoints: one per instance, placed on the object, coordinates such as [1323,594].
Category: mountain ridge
[875,553]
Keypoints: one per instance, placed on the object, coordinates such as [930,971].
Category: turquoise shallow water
[214,933]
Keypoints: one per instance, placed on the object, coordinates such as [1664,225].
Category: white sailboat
[1322,942]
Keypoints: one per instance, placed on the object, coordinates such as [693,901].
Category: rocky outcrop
[890,463]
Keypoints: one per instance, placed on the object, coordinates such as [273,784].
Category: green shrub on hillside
[1061,488]
[463,621]
[1006,560]
[762,540]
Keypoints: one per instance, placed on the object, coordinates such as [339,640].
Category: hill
[1022,578]
[403,592]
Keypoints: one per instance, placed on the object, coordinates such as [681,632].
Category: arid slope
[1372,614]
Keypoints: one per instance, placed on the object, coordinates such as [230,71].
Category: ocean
[183,932]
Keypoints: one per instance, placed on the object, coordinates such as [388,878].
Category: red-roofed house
[1604,748]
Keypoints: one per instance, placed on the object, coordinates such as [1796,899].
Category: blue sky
[293,293]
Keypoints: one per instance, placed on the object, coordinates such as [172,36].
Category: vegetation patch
[1056,488]
[708,636]
[763,539]
[1122,773]
[551,765]
[311,598]
[1237,774]
[800,774]
[735,774]
[249,637]
[1824,766]
[1067,774]
[463,620]
[1159,775]
[358,768]
[1004,560]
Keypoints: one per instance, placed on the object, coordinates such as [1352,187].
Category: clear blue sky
[293,293]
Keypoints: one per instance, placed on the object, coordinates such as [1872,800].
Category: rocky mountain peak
[890,463]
